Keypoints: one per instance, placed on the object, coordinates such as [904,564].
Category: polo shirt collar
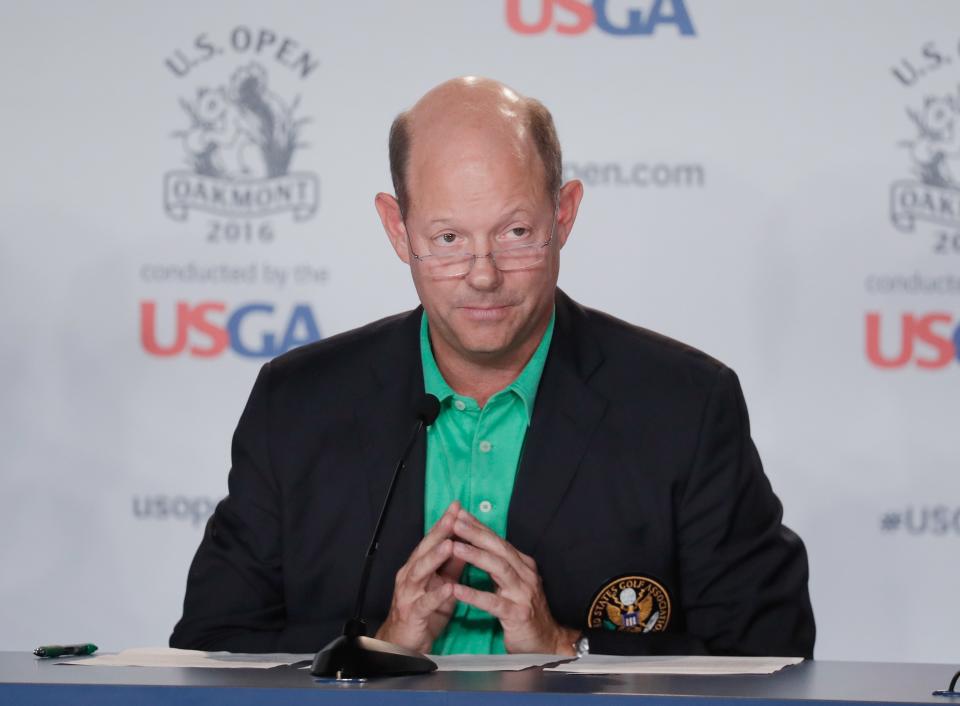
[524,386]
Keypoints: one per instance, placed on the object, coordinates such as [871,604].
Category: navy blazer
[638,472]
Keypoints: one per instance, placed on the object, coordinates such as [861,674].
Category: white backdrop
[770,177]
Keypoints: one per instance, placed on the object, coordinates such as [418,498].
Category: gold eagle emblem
[643,608]
[630,604]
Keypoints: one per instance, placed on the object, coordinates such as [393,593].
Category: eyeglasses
[458,263]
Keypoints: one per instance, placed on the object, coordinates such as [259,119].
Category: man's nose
[484,274]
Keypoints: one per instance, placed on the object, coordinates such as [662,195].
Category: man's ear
[389,210]
[568,203]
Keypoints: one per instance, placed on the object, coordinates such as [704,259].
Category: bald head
[469,116]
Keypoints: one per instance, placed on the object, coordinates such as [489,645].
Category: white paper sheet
[591,664]
[614,664]
[492,663]
[170,657]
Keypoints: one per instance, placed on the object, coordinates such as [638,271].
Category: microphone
[353,655]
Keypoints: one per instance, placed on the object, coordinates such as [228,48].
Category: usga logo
[205,329]
[237,134]
[577,16]
[928,341]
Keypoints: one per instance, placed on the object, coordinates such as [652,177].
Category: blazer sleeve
[235,594]
[743,573]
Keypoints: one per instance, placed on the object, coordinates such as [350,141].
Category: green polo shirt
[472,456]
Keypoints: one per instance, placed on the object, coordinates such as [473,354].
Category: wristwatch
[582,646]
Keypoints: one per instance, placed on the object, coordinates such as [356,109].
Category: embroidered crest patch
[631,604]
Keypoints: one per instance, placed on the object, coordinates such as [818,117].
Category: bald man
[588,486]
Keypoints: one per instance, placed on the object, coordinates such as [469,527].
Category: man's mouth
[485,312]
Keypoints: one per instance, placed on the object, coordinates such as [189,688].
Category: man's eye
[520,232]
[446,239]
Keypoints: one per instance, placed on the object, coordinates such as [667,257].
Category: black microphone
[353,655]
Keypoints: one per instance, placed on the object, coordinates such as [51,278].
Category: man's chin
[489,346]
[485,350]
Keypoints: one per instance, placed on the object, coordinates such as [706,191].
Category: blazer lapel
[387,414]
[566,414]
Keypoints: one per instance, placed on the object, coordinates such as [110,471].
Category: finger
[446,520]
[442,529]
[527,560]
[451,513]
[501,571]
[467,516]
[471,527]
[485,538]
[453,569]
[454,508]
[426,565]
[430,601]
[492,542]
[495,605]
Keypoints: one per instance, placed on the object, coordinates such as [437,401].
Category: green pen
[65,650]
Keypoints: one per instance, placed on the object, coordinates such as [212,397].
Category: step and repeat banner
[188,192]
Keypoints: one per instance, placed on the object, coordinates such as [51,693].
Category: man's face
[482,193]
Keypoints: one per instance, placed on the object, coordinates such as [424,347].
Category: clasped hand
[427,589]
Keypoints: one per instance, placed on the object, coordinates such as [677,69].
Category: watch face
[582,646]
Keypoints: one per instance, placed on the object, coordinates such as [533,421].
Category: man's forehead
[448,178]
[458,145]
[459,135]
[492,174]
[522,209]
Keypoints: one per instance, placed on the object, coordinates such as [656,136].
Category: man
[588,485]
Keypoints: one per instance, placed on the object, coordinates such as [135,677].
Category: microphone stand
[353,655]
